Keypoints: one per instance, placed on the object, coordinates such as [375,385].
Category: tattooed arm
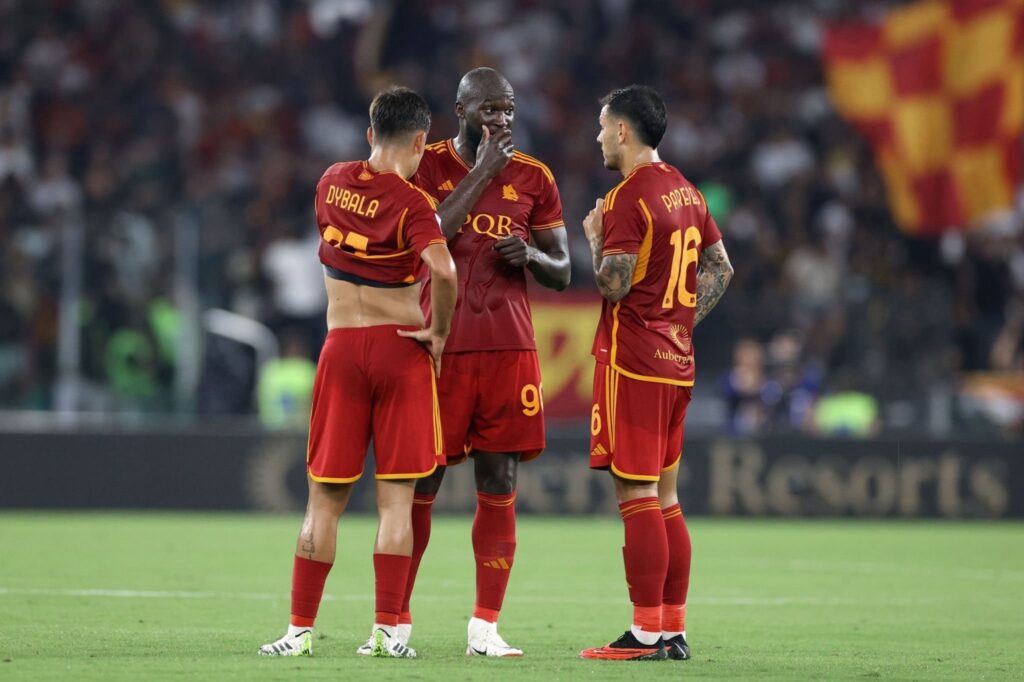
[613,273]
[713,276]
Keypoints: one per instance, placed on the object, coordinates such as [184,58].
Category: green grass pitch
[100,596]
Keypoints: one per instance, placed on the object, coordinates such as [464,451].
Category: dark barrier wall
[775,477]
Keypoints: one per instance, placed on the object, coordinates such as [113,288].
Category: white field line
[267,596]
[879,568]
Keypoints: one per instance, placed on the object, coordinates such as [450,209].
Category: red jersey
[374,225]
[660,216]
[492,312]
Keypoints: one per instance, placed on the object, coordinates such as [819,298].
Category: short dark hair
[643,107]
[396,111]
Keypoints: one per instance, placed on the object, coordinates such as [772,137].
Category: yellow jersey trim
[608,408]
[633,477]
[653,380]
[548,226]
[382,256]
[451,149]
[613,409]
[530,161]
[644,255]
[674,464]
[401,226]
[328,479]
[609,200]
[615,333]
[391,477]
[431,201]
[527,157]
[436,413]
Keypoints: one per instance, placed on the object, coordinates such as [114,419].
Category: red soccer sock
[308,578]
[673,618]
[646,559]
[422,510]
[392,572]
[677,580]
[494,545]
[647,618]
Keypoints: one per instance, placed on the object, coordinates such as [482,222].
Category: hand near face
[495,151]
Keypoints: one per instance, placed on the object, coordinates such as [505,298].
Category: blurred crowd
[133,120]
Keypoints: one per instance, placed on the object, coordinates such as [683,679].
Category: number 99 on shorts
[532,400]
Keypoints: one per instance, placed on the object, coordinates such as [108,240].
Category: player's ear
[623,132]
[369,135]
[419,141]
[460,110]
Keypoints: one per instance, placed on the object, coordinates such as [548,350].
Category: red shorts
[491,401]
[636,427]
[372,382]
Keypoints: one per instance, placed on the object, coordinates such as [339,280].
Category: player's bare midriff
[356,305]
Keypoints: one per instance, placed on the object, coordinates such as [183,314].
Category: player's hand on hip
[495,151]
[514,250]
[593,224]
[433,342]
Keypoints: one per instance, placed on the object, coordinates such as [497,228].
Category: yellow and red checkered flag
[937,87]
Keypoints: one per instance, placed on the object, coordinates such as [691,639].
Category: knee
[327,499]
[429,485]
[394,534]
[627,490]
[497,479]
[396,520]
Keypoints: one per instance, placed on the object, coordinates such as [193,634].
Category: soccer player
[661,267]
[374,378]
[502,215]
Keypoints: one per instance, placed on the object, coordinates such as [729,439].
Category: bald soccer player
[377,370]
[502,215]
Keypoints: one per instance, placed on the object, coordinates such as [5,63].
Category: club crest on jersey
[508,192]
[681,337]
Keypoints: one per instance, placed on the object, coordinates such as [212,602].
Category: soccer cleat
[628,648]
[403,631]
[677,648]
[386,646]
[299,645]
[484,640]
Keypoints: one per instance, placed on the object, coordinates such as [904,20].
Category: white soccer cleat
[484,640]
[403,631]
[301,644]
[389,646]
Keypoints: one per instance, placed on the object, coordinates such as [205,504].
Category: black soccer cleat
[628,648]
[677,648]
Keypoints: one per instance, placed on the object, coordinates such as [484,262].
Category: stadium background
[158,247]
[161,306]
